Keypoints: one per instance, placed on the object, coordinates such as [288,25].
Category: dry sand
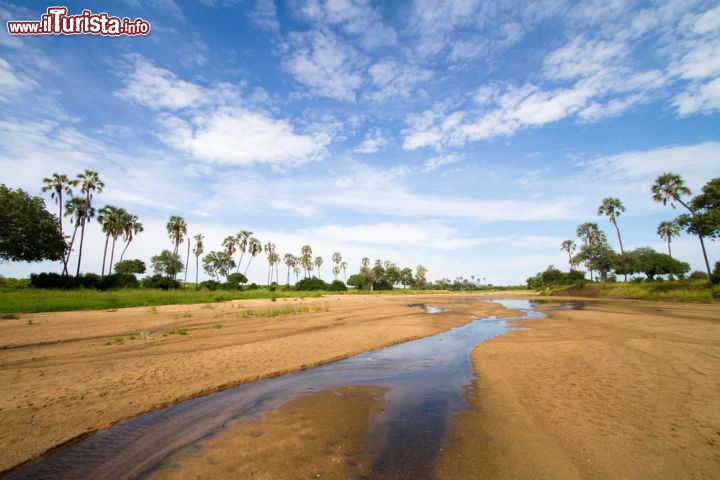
[616,390]
[67,374]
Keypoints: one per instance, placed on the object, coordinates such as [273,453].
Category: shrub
[210,284]
[90,280]
[337,286]
[716,274]
[130,266]
[698,275]
[52,280]
[235,281]
[160,281]
[253,286]
[118,280]
[308,284]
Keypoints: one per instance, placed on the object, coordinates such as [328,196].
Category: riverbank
[68,374]
[614,390]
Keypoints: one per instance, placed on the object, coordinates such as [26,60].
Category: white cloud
[393,79]
[703,98]
[374,141]
[236,136]
[157,88]
[11,82]
[436,162]
[265,15]
[324,63]
[356,18]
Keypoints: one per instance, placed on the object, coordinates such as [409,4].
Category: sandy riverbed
[616,390]
[71,373]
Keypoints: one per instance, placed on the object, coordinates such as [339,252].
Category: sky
[470,136]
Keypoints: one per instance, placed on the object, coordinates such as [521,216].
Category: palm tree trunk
[248,265]
[239,262]
[112,257]
[622,251]
[197,270]
[187,261]
[124,250]
[107,238]
[669,254]
[82,239]
[288,277]
[702,241]
[175,253]
[67,257]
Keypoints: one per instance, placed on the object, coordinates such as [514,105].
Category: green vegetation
[678,291]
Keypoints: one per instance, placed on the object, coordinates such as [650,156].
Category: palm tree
[318,263]
[613,208]
[296,271]
[90,183]
[306,258]
[107,217]
[290,262]
[197,251]
[187,261]
[176,229]
[589,233]
[77,209]
[569,247]
[241,240]
[336,271]
[131,228]
[57,185]
[344,266]
[669,188]
[668,230]
[336,258]
[254,248]
[270,252]
[118,228]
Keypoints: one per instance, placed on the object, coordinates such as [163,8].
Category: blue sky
[470,136]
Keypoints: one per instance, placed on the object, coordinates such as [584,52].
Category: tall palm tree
[187,262]
[57,185]
[289,260]
[176,229]
[613,208]
[197,251]
[669,188]
[119,228]
[318,263]
[569,247]
[296,271]
[107,217]
[344,266]
[668,230]
[336,258]
[270,252]
[306,258]
[242,239]
[131,228]
[590,234]
[254,248]
[90,184]
[77,209]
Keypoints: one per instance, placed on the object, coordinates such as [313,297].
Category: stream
[426,381]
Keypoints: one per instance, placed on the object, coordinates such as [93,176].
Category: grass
[32,300]
[679,291]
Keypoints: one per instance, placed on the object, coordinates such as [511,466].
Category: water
[426,379]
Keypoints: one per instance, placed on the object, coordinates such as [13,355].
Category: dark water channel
[426,381]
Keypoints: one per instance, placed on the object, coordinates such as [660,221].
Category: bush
[210,284]
[698,275]
[118,280]
[52,280]
[253,286]
[90,280]
[130,266]
[235,281]
[716,274]
[308,284]
[337,286]
[160,281]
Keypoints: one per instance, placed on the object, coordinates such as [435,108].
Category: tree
[90,184]
[167,263]
[176,229]
[669,188]
[218,264]
[613,208]
[291,262]
[707,208]
[306,258]
[131,227]
[271,257]
[336,258]
[569,247]
[78,210]
[187,262]
[254,248]
[666,231]
[242,239]
[420,272]
[112,221]
[343,267]
[28,232]
[647,261]
[595,251]
[130,266]
[318,263]
[197,251]
[57,185]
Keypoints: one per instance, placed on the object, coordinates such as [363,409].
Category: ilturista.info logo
[56,21]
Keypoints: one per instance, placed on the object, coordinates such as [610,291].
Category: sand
[616,390]
[72,373]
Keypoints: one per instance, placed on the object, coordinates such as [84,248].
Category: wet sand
[616,390]
[72,373]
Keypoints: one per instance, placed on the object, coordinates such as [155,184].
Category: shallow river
[426,381]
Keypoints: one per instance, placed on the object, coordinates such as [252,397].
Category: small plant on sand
[30,321]
[186,315]
[217,325]
[176,331]
[132,337]
[119,340]
[209,306]
[153,309]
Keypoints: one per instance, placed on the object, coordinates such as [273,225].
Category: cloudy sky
[469,136]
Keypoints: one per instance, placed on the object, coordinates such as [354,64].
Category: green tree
[670,188]
[666,231]
[291,262]
[306,259]
[167,263]
[130,266]
[79,211]
[613,208]
[590,235]
[336,258]
[569,247]
[242,239]
[218,264]
[197,251]
[28,232]
[112,222]
[318,263]
[176,229]
[254,249]
[131,227]
[58,185]
[90,184]
[420,273]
